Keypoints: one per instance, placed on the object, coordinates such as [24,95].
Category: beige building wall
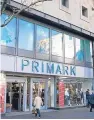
[73,14]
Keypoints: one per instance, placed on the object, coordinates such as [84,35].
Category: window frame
[83,49]
[7,49]
[82,17]
[61,41]
[36,38]
[73,45]
[65,3]
[31,30]
[65,8]
[86,61]
[85,11]
[15,39]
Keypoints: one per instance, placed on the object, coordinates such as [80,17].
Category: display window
[69,94]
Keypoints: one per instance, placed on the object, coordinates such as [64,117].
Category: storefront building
[39,58]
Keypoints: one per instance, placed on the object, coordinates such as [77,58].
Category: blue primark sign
[44,67]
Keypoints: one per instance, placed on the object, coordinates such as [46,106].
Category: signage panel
[26,65]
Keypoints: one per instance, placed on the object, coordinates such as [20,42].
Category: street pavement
[76,113]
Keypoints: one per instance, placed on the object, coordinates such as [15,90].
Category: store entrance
[44,88]
[39,88]
[14,96]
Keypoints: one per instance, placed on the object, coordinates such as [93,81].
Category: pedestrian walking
[37,103]
[87,97]
[91,101]
[78,97]
[82,97]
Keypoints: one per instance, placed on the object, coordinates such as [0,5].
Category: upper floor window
[26,35]
[84,11]
[8,33]
[65,3]
[79,49]
[88,50]
[69,46]
[42,39]
[56,43]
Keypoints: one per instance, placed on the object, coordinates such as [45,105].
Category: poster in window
[61,94]
[2,97]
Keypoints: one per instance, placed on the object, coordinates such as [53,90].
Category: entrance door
[45,88]
[14,96]
[39,88]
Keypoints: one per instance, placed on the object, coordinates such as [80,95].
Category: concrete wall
[71,14]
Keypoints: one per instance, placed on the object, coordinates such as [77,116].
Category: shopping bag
[34,111]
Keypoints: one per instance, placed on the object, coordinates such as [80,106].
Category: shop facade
[37,58]
[21,85]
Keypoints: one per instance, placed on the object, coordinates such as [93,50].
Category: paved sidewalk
[77,113]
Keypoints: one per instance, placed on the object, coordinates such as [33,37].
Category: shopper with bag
[37,103]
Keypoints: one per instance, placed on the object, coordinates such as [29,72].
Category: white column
[52,93]
[46,95]
[25,96]
[55,92]
[31,93]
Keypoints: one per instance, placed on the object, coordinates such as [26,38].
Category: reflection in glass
[88,50]
[56,43]
[8,32]
[79,49]
[26,35]
[69,46]
[42,43]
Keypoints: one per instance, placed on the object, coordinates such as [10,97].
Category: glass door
[14,96]
[39,88]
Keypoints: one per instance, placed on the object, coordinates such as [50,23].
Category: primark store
[47,56]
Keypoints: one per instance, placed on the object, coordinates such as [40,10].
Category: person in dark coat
[42,96]
[87,97]
[91,101]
